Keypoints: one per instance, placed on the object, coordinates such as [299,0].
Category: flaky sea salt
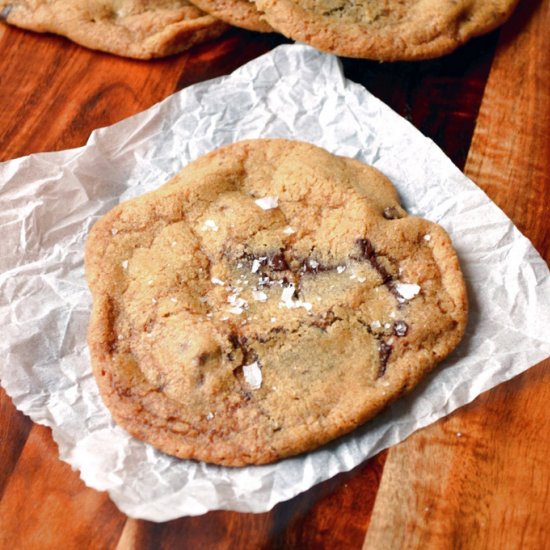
[259,296]
[341,268]
[255,266]
[237,302]
[376,324]
[407,290]
[288,293]
[267,203]
[124,264]
[288,230]
[287,299]
[216,281]
[209,224]
[253,375]
[427,237]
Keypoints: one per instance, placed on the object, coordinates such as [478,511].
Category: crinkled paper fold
[50,201]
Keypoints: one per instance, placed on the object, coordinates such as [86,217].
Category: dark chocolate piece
[277,262]
[369,253]
[384,352]
[400,328]
[391,213]
[5,12]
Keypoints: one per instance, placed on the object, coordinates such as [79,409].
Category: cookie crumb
[267,203]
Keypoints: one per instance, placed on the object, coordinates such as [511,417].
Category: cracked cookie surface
[141,29]
[266,300]
[240,13]
[386,30]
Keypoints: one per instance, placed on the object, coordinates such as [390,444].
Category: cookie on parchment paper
[266,300]
[240,13]
[385,30]
[141,29]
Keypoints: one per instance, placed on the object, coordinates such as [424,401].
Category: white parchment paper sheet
[50,200]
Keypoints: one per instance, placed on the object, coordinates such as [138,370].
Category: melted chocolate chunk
[313,266]
[391,213]
[326,320]
[369,253]
[5,12]
[240,342]
[277,262]
[384,352]
[400,328]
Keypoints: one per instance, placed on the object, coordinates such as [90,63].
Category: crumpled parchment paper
[50,201]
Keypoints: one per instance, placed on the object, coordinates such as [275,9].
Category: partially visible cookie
[142,29]
[266,300]
[386,30]
[240,13]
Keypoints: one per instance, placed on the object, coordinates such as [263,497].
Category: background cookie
[376,29]
[132,28]
[266,300]
[240,13]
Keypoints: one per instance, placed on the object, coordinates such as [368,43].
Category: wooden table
[488,107]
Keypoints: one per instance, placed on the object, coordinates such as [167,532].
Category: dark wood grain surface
[488,107]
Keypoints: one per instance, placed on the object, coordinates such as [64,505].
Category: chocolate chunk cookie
[386,30]
[266,300]
[141,29]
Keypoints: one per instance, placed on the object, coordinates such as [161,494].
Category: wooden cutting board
[479,478]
